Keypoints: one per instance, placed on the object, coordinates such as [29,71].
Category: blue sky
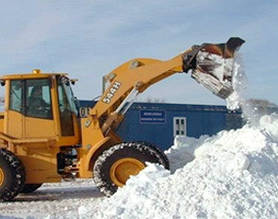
[90,38]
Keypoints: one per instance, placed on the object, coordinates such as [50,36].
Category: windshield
[65,93]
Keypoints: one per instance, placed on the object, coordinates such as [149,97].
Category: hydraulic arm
[209,64]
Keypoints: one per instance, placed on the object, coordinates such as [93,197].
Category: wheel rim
[122,169]
[2,177]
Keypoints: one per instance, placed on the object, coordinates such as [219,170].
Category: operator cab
[40,101]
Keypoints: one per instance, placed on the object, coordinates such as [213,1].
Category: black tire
[29,188]
[137,152]
[12,175]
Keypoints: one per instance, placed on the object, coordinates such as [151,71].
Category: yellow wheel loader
[43,140]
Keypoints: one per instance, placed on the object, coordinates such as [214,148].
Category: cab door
[69,124]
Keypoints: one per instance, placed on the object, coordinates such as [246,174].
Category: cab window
[38,98]
[65,112]
[16,94]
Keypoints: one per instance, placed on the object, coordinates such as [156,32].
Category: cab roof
[36,73]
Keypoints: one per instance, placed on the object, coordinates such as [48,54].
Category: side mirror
[2,82]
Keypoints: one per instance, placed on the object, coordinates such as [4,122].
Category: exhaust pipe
[212,65]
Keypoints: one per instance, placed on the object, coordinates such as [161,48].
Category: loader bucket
[213,65]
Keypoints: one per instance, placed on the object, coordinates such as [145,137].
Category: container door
[179,126]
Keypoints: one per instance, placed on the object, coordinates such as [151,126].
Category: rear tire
[12,175]
[29,188]
[114,166]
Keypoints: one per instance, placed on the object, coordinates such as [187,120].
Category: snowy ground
[57,199]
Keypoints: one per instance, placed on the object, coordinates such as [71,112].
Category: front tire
[115,165]
[12,175]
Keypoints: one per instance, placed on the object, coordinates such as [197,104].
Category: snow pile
[233,175]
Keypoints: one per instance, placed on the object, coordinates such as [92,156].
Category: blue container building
[159,123]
